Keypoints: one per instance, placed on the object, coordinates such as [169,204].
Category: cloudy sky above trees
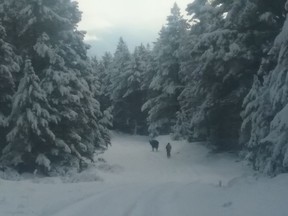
[136,21]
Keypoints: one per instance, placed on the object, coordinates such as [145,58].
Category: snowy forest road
[140,182]
[189,162]
[134,181]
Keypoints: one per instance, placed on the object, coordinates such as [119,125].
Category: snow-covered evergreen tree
[126,92]
[135,95]
[120,66]
[30,139]
[103,70]
[99,87]
[165,85]
[264,128]
[9,67]
[118,86]
[149,68]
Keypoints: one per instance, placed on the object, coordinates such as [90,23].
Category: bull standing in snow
[154,144]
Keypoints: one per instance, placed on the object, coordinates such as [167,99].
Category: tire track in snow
[59,210]
[106,200]
[142,198]
[155,201]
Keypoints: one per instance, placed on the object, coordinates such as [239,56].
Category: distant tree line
[50,116]
[219,77]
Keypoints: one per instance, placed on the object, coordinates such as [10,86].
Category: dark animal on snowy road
[154,144]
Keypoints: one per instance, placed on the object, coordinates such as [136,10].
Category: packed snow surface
[134,181]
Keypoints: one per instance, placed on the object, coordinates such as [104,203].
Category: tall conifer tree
[165,85]
[29,141]
[264,127]
[9,67]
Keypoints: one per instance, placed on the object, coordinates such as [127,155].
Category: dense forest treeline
[219,77]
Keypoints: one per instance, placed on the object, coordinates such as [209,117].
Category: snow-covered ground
[138,182]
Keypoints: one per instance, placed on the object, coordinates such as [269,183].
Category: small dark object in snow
[101,160]
[227,204]
[154,144]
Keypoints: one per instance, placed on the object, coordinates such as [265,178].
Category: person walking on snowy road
[168,150]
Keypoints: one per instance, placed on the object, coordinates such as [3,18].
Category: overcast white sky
[136,21]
